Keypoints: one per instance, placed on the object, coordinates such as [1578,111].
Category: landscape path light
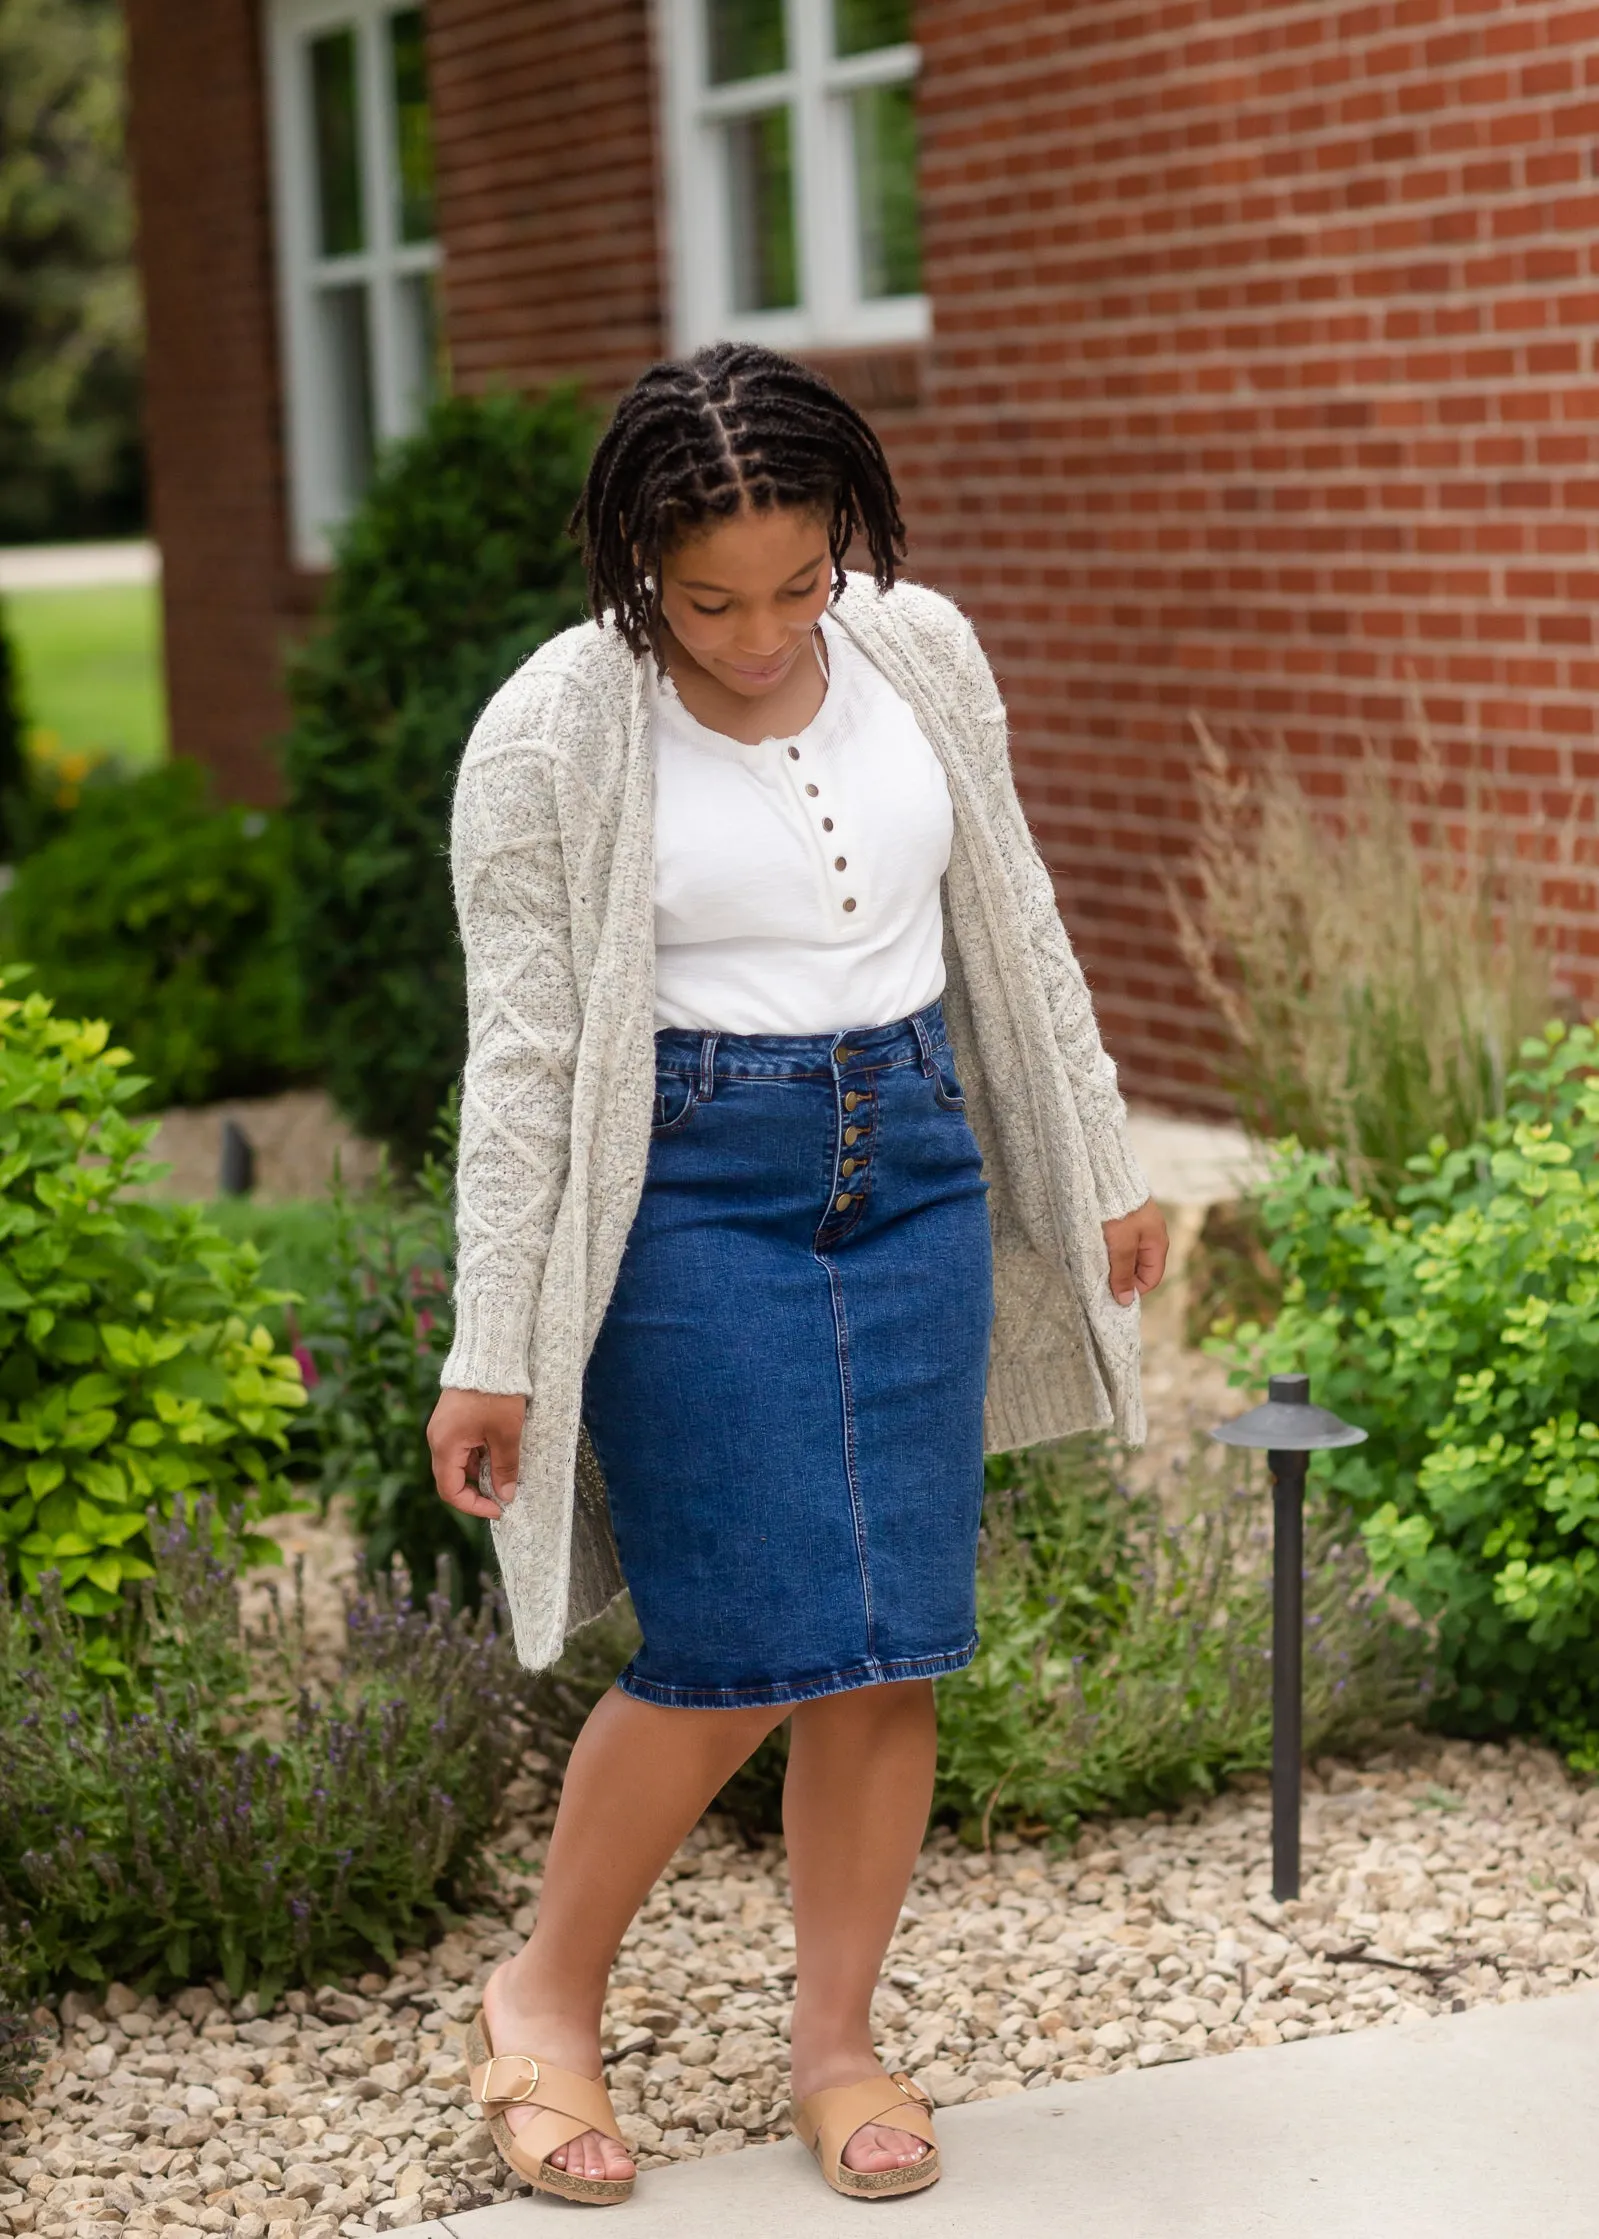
[1289,1430]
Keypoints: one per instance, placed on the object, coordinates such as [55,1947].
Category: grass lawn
[90,663]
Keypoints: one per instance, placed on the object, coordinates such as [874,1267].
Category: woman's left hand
[1137,1246]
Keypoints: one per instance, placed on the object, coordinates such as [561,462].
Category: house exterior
[1236,357]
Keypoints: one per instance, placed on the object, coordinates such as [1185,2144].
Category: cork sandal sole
[828,2120]
[584,2192]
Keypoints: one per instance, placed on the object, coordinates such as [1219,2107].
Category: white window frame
[386,261]
[832,312]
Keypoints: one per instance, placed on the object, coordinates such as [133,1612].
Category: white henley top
[797,880]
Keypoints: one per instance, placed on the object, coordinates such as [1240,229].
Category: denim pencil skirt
[786,1394]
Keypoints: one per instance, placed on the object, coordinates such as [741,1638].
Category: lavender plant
[215,1816]
[1126,1659]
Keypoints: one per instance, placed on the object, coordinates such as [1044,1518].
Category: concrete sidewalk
[77,567]
[1482,2125]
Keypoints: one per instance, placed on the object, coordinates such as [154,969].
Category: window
[353,172]
[791,131]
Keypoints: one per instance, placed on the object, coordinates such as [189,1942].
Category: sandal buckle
[490,2097]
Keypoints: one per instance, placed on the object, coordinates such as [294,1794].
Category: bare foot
[515,2027]
[876,2146]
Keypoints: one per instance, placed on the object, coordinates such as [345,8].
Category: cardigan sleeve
[523,1022]
[1120,1183]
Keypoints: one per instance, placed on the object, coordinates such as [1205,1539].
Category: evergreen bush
[456,568]
[169,917]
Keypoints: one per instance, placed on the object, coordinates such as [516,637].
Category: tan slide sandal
[828,2120]
[568,2105]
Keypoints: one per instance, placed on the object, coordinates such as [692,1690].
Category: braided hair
[697,439]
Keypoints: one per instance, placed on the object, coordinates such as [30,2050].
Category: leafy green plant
[376,1340]
[1374,959]
[1125,1661]
[168,917]
[213,1816]
[456,567]
[13,761]
[134,1373]
[1462,1332]
[21,2046]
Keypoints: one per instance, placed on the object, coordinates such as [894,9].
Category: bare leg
[638,1780]
[860,1781]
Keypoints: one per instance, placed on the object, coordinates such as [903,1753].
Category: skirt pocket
[675,1102]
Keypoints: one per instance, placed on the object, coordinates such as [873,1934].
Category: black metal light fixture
[236,1165]
[1289,1430]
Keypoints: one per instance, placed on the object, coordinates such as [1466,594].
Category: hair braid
[694,440]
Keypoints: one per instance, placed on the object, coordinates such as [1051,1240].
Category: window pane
[418,325]
[336,126]
[885,190]
[745,38]
[346,396]
[861,25]
[760,203]
[413,128]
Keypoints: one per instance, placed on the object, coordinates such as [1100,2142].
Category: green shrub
[214,1816]
[1462,1333]
[21,2046]
[134,1373]
[377,1338]
[1125,1661]
[13,760]
[456,567]
[168,917]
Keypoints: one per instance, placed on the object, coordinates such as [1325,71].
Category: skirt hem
[873,1673]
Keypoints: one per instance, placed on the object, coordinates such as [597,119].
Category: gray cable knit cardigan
[553,858]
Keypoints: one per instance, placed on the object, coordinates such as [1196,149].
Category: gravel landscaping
[1438,1877]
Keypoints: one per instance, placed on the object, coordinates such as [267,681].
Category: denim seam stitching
[874,1671]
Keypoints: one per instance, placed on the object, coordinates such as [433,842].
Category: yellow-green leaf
[45,1475]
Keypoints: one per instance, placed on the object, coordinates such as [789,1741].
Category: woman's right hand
[463,1428]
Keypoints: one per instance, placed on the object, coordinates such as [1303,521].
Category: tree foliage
[70,325]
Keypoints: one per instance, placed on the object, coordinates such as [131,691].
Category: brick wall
[212,404]
[1264,383]
[548,207]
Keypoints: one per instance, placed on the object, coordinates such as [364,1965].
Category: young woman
[792,1175]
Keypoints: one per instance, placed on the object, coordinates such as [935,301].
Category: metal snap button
[843,1201]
